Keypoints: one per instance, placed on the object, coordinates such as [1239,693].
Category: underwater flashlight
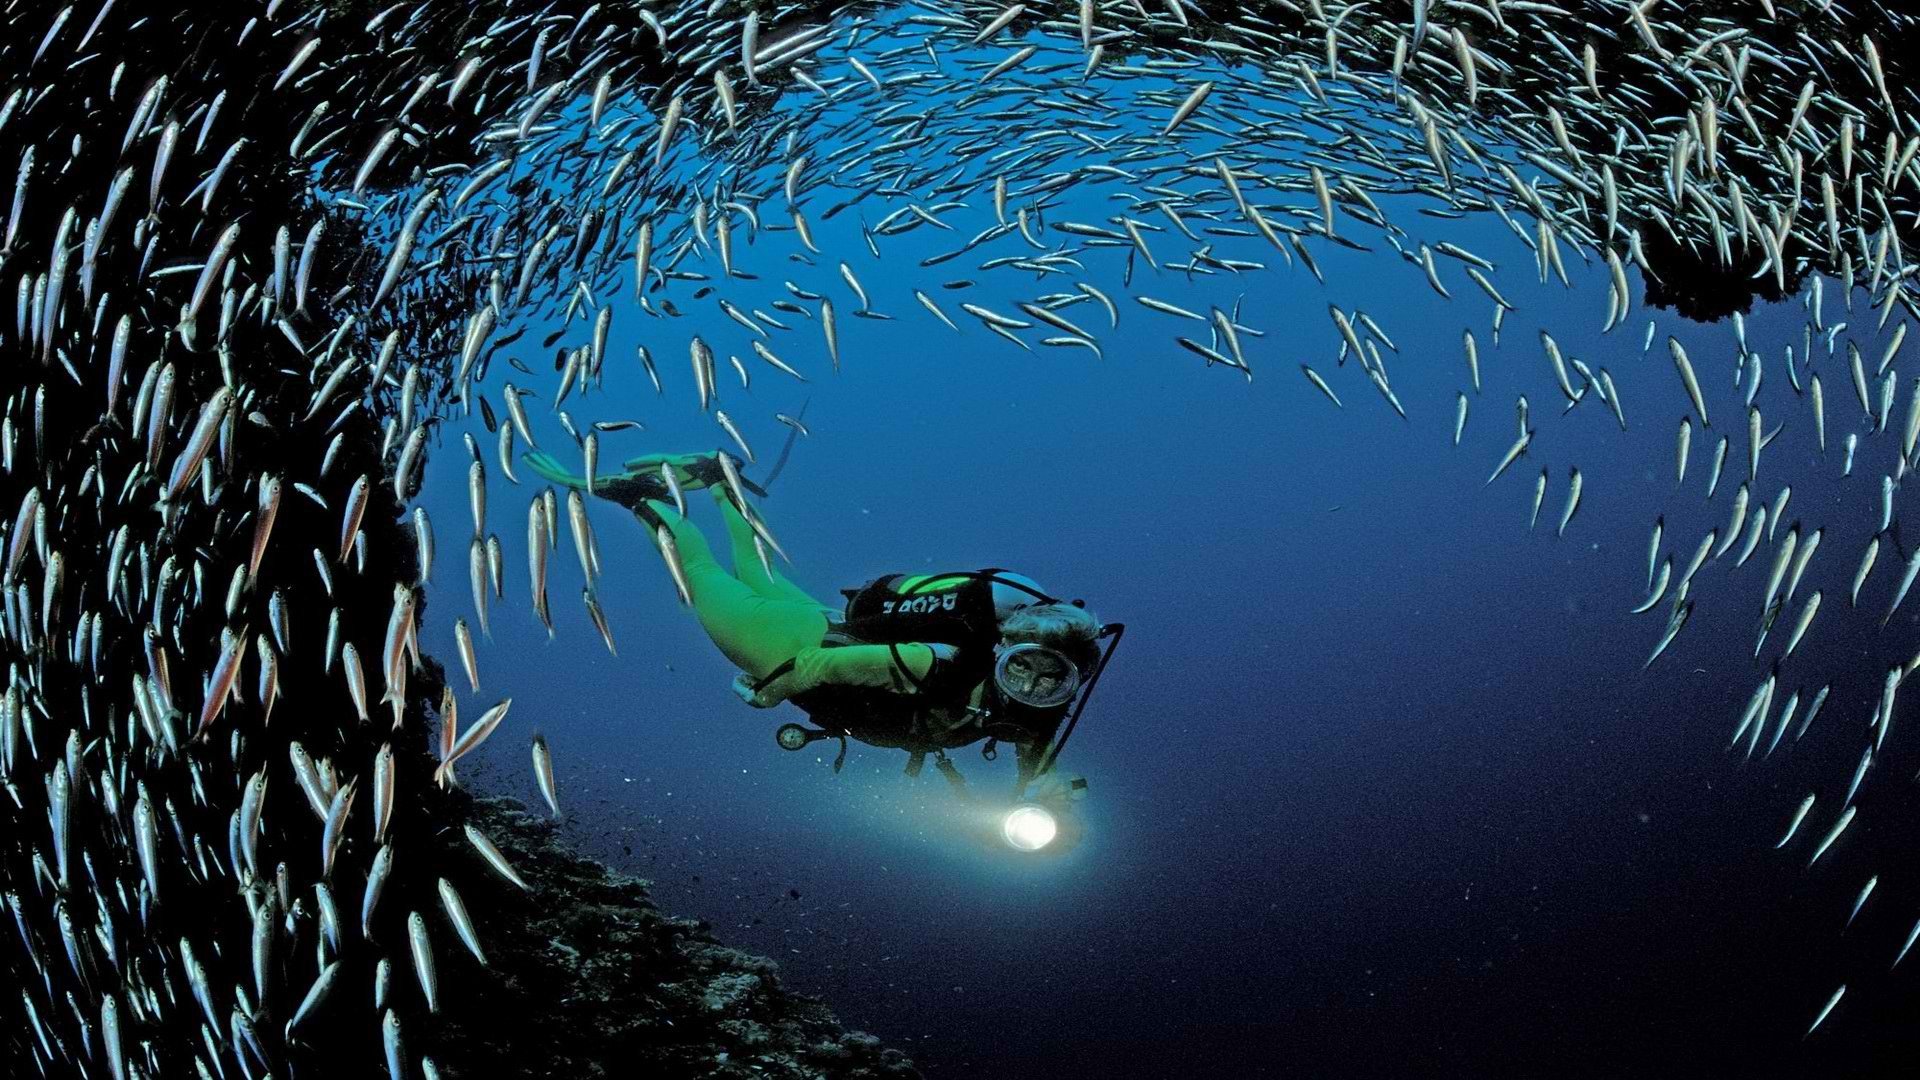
[1029,827]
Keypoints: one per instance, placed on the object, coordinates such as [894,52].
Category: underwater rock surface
[593,980]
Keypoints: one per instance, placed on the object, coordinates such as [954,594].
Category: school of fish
[264,254]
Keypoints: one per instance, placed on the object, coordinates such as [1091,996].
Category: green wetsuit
[756,617]
[761,620]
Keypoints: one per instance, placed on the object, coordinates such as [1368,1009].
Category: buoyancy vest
[954,609]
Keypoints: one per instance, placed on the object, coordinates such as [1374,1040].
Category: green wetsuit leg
[746,559]
[757,632]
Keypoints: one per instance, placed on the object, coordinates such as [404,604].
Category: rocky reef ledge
[590,979]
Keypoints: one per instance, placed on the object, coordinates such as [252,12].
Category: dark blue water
[1379,787]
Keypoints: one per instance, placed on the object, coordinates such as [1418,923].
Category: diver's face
[1035,674]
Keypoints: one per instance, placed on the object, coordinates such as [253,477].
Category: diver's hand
[743,689]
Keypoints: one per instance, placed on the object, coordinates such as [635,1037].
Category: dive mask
[1035,676]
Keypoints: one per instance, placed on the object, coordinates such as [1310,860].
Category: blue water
[1378,787]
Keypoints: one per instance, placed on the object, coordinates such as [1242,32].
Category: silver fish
[543,773]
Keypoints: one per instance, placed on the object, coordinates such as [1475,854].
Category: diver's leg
[747,564]
[756,632]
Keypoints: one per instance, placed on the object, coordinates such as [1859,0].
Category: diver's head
[1068,629]
[1046,652]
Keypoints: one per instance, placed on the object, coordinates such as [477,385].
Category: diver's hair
[1071,630]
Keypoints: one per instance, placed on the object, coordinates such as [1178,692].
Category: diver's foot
[691,471]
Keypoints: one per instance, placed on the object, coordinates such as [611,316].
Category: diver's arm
[1028,756]
[1030,751]
[850,665]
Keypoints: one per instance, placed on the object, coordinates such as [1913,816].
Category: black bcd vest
[941,609]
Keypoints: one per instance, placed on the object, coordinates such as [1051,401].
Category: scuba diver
[925,663]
